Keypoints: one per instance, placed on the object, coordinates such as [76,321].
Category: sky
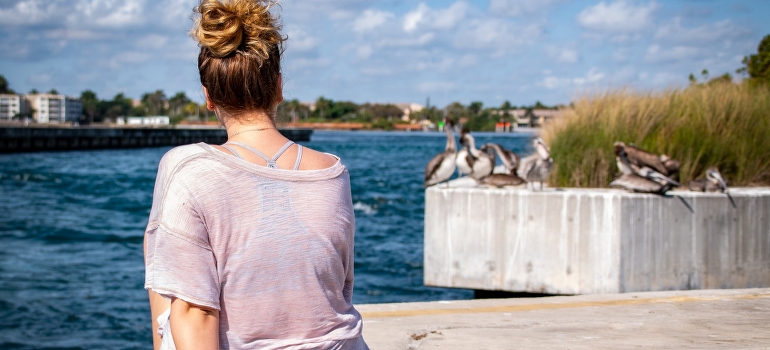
[392,50]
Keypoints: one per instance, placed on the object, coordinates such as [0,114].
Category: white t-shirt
[271,249]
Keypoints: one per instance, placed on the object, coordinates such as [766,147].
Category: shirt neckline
[279,174]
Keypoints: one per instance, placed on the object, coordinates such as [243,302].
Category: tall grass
[723,124]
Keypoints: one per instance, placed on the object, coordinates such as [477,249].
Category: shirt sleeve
[179,261]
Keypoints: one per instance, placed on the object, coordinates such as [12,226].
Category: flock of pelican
[647,172]
[479,164]
[641,171]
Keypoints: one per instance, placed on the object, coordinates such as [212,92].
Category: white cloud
[563,54]
[495,36]
[407,42]
[371,19]
[552,82]
[413,18]
[364,51]
[30,12]
[300,41]
[707,33]
[435,18]
[520,7]
[656,53]
[617,17]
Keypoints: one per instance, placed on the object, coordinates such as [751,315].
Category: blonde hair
[241,48]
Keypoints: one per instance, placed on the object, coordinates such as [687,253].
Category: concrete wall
[575,241]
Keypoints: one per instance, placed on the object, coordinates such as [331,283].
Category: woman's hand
[193,326]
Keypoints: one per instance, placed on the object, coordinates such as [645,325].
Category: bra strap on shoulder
[299,157]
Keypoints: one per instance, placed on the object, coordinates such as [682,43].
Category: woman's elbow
[193,326]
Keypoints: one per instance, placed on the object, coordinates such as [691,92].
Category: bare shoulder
[314,160]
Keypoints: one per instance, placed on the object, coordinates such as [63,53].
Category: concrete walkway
[703,319]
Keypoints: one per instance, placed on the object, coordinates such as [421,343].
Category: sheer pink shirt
[271,249]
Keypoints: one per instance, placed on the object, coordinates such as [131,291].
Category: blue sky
[391,50]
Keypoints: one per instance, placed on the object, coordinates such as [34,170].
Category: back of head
[240,56]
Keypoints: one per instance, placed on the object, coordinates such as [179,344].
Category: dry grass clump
[724,125]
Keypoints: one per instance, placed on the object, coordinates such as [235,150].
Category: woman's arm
[158,305]
[193,326]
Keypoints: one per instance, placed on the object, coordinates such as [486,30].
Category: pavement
[701,319]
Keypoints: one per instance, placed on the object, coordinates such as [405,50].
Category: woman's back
[271,249]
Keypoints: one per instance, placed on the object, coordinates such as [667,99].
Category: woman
[250,243]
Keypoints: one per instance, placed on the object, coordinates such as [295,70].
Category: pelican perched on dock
[442,166]
[501,180]
[712,182]
[462,160]
[639,176]
[641,158]
[509,158]
[635,183]
[536,167]
[482,163]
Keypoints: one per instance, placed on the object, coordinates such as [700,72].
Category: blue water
[71,226]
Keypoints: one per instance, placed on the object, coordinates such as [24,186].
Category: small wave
[30,178]
[365,208]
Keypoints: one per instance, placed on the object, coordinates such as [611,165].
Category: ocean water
[72,224]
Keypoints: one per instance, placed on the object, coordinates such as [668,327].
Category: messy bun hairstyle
[240,57]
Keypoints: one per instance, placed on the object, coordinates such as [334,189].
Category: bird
[712,182]
[635,183]
[461,160]
[536,167]
[671,165]
[641,158]
[641,168]
[442,166]
[509,158]
[482,163]
[501,180]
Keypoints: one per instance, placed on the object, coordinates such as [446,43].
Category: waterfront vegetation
[712,123]
[384,116]
[718,123]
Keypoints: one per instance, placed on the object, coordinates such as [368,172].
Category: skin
[194,326]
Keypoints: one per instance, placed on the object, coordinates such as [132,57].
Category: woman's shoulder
[315,160]
[177,157]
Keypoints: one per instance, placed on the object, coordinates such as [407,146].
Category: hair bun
[237,26]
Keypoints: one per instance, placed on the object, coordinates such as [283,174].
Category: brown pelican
[627,167]
[636,183]
[509,158]
[462,160]
[672,165]
[712,182]
[442,166]
[482,163]
[536,167]
[641,158]
[500,180]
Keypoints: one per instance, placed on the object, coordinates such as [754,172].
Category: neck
[246,121]
[450,139]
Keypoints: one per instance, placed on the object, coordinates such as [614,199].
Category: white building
[408,109]
[50,108]
[144,121]
[11,106]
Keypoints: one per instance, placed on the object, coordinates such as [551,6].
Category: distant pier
[32,139]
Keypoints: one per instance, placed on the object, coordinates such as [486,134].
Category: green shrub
[725,125]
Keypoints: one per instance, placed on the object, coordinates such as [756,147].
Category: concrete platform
[595,241]
[703,319]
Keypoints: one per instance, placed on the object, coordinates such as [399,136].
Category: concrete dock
[595,241]
[702,319]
